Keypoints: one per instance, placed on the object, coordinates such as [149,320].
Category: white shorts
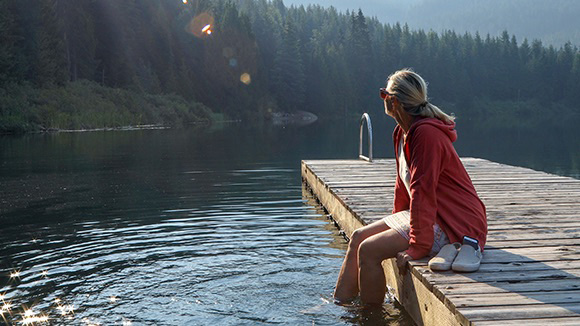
[401,222]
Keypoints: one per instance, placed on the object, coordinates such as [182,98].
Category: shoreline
[121,128]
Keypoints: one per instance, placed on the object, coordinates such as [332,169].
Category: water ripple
[228,255]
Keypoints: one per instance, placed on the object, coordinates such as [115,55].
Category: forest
[106,63]
[554,22]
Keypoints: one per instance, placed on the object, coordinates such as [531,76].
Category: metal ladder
[367,118]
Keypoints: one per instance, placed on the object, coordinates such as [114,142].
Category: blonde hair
[411,90]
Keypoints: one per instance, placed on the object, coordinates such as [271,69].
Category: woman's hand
[402,259]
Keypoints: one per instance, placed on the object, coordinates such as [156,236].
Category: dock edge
[424,305]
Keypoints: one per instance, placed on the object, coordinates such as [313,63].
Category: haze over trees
[554,22]
[90,63]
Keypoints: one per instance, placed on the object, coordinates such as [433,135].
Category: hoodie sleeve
[427,149]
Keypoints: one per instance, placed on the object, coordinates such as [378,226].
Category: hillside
[250,59]
[554,22]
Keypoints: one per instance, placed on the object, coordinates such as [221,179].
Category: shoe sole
[441,267]
[465,268]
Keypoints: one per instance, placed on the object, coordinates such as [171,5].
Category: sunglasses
[383,93]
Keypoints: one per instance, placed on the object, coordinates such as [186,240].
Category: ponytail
[411,90]
[432,111]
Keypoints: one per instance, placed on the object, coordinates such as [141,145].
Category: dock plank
[530,271]
[566,321]
[521,311]
[507,287]
[507,299]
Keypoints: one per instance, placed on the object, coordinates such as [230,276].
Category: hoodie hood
[447,129]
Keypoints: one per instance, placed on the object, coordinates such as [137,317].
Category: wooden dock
[530,272]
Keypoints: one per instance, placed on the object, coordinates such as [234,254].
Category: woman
[435,202]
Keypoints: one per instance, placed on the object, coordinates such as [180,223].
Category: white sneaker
[468,259]
[445,257]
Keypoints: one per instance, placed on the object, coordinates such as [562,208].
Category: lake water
[202,226]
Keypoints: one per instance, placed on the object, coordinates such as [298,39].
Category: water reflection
[149,228]
[194,226]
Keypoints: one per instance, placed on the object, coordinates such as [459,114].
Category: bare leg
[347,283]
[371,254]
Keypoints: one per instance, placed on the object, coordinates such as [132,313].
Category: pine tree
[359,60]
[79,37]
[288,73]
[51,66]
[8,39]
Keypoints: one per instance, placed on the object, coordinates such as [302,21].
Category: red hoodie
[441,190]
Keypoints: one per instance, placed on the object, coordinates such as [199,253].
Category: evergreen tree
[51,67]
[79,37]
[288,73]
[8,47]
[359,59]
[311,56]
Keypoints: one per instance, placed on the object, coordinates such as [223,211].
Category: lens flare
[245,78]
[201,25]
[185,1]
[206,29]
[15,274]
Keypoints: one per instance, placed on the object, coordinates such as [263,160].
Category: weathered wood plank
[531,267]
[409,290]
[506,276]
[506,287]
[562,321]
[521,311]
[536,234]
[515,266]
[506,299]
[517,243]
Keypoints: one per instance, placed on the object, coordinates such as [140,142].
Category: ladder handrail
[367,118]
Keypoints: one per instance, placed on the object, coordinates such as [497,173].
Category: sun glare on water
[31,317]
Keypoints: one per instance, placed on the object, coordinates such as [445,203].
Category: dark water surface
[196,226]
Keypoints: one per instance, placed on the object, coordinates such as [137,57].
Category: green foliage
[87,105]
[9,36]
[288,71]
[554,22]
[529,113]
[261,57]
[347,56]
[50,61]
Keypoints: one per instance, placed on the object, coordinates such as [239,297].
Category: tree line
[554,22]
[249,58]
